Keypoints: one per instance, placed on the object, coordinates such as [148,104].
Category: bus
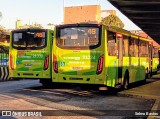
[30,54]
[98,54]
[155,59]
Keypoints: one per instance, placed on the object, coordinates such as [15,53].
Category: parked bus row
[82,54]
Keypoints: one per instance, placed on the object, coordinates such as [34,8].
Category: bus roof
[145,39]
[28,29]
[127,33]
[78,24]
[118,30]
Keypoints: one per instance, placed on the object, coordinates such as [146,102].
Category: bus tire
[46,82]
[150,74]
[126,80]
[147,74]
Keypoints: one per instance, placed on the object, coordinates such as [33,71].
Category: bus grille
[75,78]
[30,74]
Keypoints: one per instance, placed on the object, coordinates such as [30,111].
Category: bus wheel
[126,81]
[148,74]
[16,79]
[46,82]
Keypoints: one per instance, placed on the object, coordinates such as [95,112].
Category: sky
[48,11]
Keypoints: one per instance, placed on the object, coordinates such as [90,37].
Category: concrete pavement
[150,90]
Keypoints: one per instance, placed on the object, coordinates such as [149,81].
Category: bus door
[120,56]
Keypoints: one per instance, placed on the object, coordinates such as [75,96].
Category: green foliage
[112,20]
[2,32]
[36,26]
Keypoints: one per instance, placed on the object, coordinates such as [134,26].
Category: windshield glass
[29,39]
[78,37]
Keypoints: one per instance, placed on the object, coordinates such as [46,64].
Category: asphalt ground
[30,94]
[151,90]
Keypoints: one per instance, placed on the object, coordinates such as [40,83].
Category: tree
[2,32]
[33,26]
[112,20]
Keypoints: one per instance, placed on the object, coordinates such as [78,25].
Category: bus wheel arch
[126,80]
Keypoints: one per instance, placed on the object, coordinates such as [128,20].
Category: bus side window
[143,48]
[136,47]
[147,49]
[140,49]
[112,47]
[131,47]
[155,52]
[125,46]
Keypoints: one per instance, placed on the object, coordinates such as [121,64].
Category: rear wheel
[126,81]
[16,79]
[46,82]
[148,74]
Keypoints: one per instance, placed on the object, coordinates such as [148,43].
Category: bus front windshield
[78,37]
[29,40]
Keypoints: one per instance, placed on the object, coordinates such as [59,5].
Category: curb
[154,107]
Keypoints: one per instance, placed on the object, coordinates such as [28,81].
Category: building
[89,13]
[78,14]
[18,24]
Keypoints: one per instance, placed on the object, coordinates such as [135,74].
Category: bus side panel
[112,70]
[144,65]
[111,64]
[155,63]
[133,72]
[137,69]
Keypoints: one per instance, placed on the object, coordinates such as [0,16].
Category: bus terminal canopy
[144,13]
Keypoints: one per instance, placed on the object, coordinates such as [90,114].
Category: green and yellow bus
[30,54]
[99,54]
